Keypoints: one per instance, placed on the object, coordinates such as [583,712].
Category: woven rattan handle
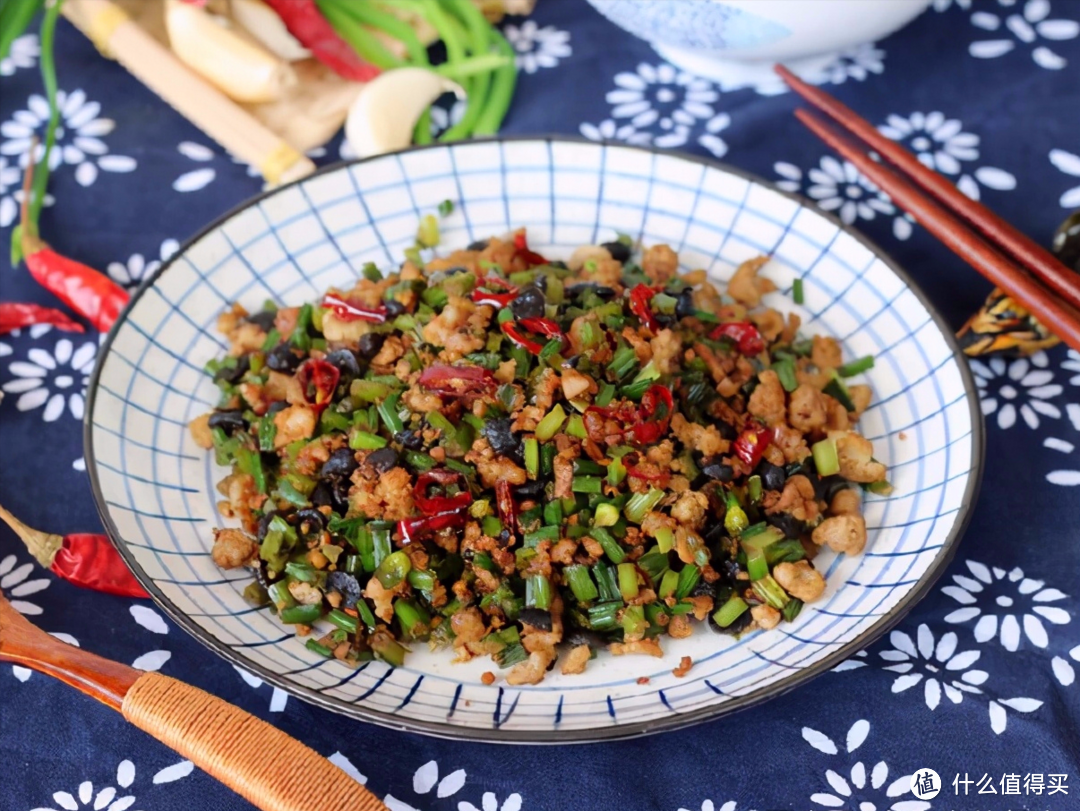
[254,759]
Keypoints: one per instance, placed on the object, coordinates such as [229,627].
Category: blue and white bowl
[155,487]
[736,42]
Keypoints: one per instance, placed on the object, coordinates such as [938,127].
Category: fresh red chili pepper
[91,294]
[494,299]
[523,252]
[456,381]
[647,422]
[538,326]
[84,559]
[504,500]
[752,442]
[440,504]
[640,298]
[347,310]
[657,405]
[307,24]
[318,379]
[17,316]
[745,335]
[412,528]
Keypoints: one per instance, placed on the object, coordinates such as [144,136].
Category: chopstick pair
[1018,265]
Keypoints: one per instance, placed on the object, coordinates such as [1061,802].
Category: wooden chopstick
[1056,314]
[1026,251]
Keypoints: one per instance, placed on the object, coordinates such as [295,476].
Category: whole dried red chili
[538,326]
[346,310]
[91,294]
[17,316]
[504,500]
[440,504]
[318,379]
[455,381]
[412,528]
[640,298]
[307,24]
[83,559]
[745,335]
[752,442]
[522,251]
[481,296]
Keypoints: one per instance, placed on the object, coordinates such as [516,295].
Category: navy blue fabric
[846,738]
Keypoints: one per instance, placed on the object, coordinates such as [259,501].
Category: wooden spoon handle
[256,760]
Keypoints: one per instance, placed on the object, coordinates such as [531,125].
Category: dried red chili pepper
[661,478]
[318,379]
[522,251]
[504,500]
[538,326]
[17,316]
[456,381]
[412,528]
[752,442]
[745,335]
[500,300]
[440,504]
[83,559]
[307,24]
[640,298]
[91,294]
[346,310]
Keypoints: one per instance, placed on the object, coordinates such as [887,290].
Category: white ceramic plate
[155,488]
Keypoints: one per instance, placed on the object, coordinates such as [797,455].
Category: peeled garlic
[242,69]
[263,23]
[383,116]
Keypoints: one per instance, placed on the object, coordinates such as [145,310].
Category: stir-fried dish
[532,460]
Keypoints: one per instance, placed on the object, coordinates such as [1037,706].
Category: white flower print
[196,178]
[856,63]
[1072,364]
[1005,604]
[708,805]
[1064,672]
[15,583]
[941,144]
[278,698]
[11,192]
[1019,387]
[442,119]
[865,789]
[537,47]
[490,803]
[115,797]
[54,380]
[1068,163]
[23,53]
[840,187]
[78,137]
[131,273]
[942,5]
[668,106]
[943,668]
[425,780]
[608,130]
[1030,27]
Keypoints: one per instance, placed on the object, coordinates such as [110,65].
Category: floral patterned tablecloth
[979,682]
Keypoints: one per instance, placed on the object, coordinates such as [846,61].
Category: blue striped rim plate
[155,488]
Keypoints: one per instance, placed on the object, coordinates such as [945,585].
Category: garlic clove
[263,23]
[243,70]
[384,115]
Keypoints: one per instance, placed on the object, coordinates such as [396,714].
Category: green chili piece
[581,584]
[826,458]
[785,370]
[797,291]
[859,366]
[301,614]
[343,621]
[640,504]
[611,546]
[730,611]
[604,616]
[393,569]
[668,583]
[551,423]
[628,581]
